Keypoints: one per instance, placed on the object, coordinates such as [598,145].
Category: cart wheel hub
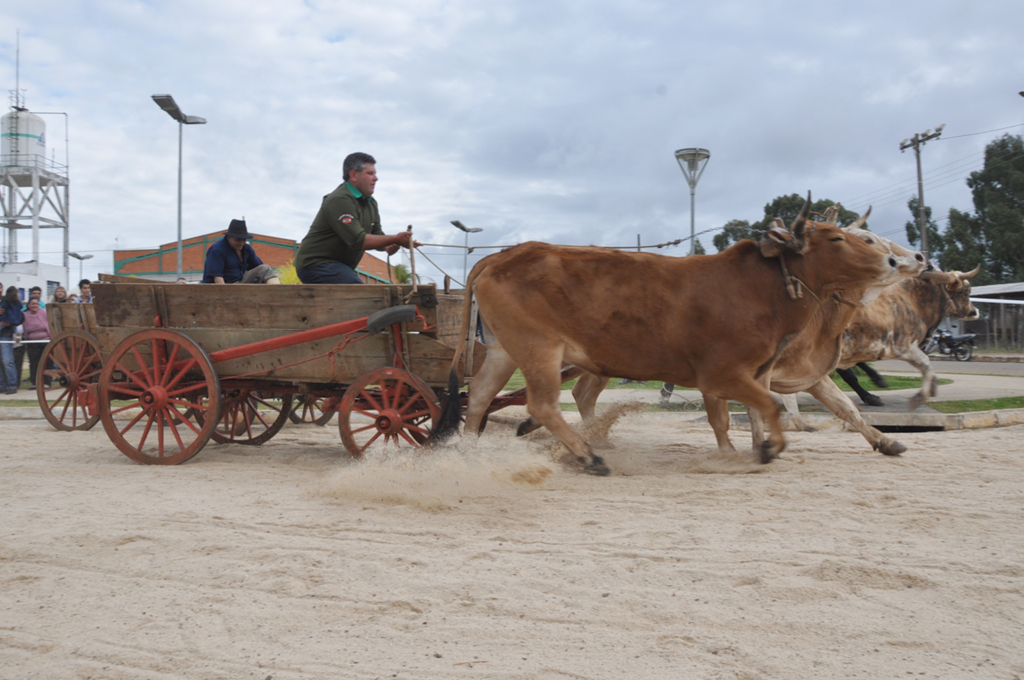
[69,381]
[154,397]
[389,422]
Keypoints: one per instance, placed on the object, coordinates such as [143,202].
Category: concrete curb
[974,420]
[982,359]
[20,413]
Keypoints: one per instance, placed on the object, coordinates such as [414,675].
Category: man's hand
[387,241]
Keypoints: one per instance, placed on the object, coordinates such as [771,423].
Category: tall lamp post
[166,102]
[80,258]
[465,254]
[692,162]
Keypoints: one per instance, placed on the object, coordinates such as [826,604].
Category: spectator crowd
[25,329]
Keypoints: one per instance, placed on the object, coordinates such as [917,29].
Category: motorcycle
[960,347]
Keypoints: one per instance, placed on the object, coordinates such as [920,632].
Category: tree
[965,247]
[998,192]
[994,235]
[698,249]
[786,207]
[402,274]
[936,246]
[732,232]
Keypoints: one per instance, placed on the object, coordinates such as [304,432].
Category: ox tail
[451,407]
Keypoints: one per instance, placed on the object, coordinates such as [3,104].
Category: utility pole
[916,141]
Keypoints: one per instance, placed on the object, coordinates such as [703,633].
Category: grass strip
[968,406]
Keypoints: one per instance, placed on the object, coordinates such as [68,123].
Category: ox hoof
[768,453]
[527,426]
[872,400]
[916,401]
[597,467]
[890,448]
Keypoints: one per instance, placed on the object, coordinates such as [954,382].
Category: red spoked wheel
[250,418]
[148,384]
[387,405]
[311,410]
[69,367]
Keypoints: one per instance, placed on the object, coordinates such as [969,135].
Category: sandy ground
[489,560]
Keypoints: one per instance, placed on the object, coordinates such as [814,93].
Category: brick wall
[272,250]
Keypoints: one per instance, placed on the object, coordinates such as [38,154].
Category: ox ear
[861,221]
[800,223]
[776,240]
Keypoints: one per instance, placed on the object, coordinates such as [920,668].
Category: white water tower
[34,188]
[22,139]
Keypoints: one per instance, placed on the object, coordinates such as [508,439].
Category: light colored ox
[716,322]
[896,324]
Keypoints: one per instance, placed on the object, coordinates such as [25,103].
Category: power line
[972,134]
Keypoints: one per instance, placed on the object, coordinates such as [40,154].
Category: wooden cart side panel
[87,313]
[428,358]
[70,316]
[55,318]
[449,318]
[248,306]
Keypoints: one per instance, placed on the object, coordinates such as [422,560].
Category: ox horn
[830,214]
[801,219]
[972,273]
[861,221]
[937,276]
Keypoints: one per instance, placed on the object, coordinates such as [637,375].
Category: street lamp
[465,255]
[80,258]
[166,102]
[692,162]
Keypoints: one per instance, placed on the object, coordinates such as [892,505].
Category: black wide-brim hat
[237,230]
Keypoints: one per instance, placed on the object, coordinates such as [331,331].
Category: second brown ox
[715,322]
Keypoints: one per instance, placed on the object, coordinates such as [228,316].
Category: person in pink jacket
[35,327]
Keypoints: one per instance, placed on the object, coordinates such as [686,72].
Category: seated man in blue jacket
[232,260]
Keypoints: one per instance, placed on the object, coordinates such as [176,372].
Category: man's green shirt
[345,218]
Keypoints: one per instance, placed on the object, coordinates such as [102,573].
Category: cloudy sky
[552,120]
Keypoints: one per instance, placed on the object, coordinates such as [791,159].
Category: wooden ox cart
[167,367]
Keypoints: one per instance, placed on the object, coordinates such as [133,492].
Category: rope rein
[792,282]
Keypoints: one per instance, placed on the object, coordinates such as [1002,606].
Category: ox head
[779,240]
[830,259]
[909,263]
[958,288]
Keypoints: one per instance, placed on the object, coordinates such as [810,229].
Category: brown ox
[807,361]
[904,316]
[716,322]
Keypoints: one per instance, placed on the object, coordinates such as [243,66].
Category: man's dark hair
[356,161]
[34,289]
[86,282]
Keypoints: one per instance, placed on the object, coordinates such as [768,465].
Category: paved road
[968,367]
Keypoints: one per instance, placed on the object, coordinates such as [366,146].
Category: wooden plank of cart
[168,367]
